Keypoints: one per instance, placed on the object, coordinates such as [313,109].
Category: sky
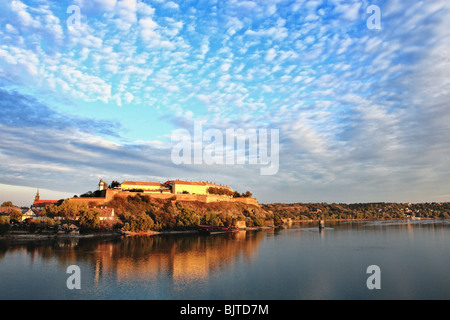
[97,89]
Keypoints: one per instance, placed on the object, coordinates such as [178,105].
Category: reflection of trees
[145,257]
[180,256]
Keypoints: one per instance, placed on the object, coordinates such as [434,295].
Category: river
[298,262]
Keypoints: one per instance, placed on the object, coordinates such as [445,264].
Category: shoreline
[118,234]
[67,236]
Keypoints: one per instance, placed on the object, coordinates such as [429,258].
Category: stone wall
[88,201]
[110,194]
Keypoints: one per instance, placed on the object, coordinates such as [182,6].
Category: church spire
[37,196]
[101,185]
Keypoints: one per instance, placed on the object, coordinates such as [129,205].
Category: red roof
[9,210]
[137,183]
[186,182]
[43,203]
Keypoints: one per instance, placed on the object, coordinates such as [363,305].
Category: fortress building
[144,186]
[182,190]
[191,187]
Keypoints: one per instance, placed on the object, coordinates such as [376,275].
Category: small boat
[204,229]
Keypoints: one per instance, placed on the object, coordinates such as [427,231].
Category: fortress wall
[88,201]
[247,201]
[110,194]
[124,194]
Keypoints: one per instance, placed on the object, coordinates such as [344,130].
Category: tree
[88,194]
[114,184]
[50,211]
[4,225]
[7,204]
[89,219]
[187,218]
[139,223]
[69,209]
[211,219]
[277,220]
[16,215]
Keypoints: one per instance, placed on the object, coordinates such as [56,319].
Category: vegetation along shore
[142,214]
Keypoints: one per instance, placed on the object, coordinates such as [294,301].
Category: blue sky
[363,114]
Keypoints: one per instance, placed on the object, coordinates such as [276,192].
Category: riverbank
[26,236]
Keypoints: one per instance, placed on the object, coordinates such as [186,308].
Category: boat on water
[205,229]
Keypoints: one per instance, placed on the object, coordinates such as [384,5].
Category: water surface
[298,262]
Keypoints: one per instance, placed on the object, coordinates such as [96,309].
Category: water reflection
[179,257]
[295,262]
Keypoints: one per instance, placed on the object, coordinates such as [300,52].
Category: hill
[340,211]
[141,212]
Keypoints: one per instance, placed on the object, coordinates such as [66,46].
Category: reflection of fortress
[185,258]
[172,189]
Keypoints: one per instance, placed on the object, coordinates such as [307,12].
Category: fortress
[177,190]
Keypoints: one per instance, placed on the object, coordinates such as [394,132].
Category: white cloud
[10,29]
[271,54]
[234,25]
[24,16]
[277,33]
[101,5]
[349,11]
[172,5]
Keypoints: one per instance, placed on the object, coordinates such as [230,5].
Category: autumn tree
[89,219]
[7,204]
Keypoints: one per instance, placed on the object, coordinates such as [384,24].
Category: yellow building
[179,187]
[137,185]
[192,187]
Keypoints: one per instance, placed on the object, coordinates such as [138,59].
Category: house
[30,214]
[39,204]
[106,213]
[70,227]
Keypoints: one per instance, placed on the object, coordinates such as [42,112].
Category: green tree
[258,222]
[187,219]
[70,209]
[50,211]
[139,223]
[114,184]
[277,220]
[211,219]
